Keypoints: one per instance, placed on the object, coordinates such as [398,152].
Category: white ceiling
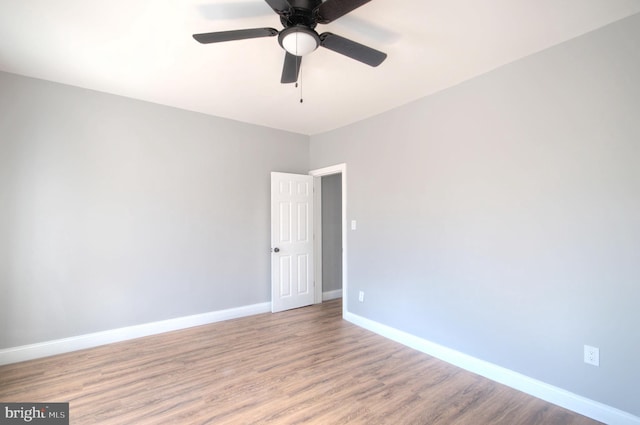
[143,49]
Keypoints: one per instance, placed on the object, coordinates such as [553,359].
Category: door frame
[317,243]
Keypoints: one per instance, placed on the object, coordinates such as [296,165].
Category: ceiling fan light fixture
[299,38]
[299,41]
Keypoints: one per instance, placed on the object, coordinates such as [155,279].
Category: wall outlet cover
[592,355]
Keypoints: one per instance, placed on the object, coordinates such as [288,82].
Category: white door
[291,241]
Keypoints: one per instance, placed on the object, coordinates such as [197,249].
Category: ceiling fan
[298,38]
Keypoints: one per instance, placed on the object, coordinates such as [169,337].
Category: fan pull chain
[298,71]
[299,85]
[300,78]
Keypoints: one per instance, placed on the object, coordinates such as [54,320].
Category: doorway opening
[330,242]
[331,236]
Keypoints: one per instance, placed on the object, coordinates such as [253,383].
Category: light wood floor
[297,367]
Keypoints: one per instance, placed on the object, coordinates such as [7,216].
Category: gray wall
[501,217]
[116,212]
[331,232]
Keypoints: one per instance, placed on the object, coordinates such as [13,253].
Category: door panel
[292,273]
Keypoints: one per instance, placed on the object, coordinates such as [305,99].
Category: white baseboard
[65,345]
[332,295]
[584,406]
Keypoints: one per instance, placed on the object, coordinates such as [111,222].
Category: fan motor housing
[303,13]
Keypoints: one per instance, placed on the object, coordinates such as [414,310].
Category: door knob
[276,249]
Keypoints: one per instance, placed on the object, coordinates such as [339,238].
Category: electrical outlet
[361,296]
[592,355]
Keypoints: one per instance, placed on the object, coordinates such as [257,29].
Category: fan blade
[217,37]
[357,51]
[281,7]
[331,10]
[291,68]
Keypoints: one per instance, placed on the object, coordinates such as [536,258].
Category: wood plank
[300,366]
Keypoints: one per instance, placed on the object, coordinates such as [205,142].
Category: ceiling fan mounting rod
[310,5]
